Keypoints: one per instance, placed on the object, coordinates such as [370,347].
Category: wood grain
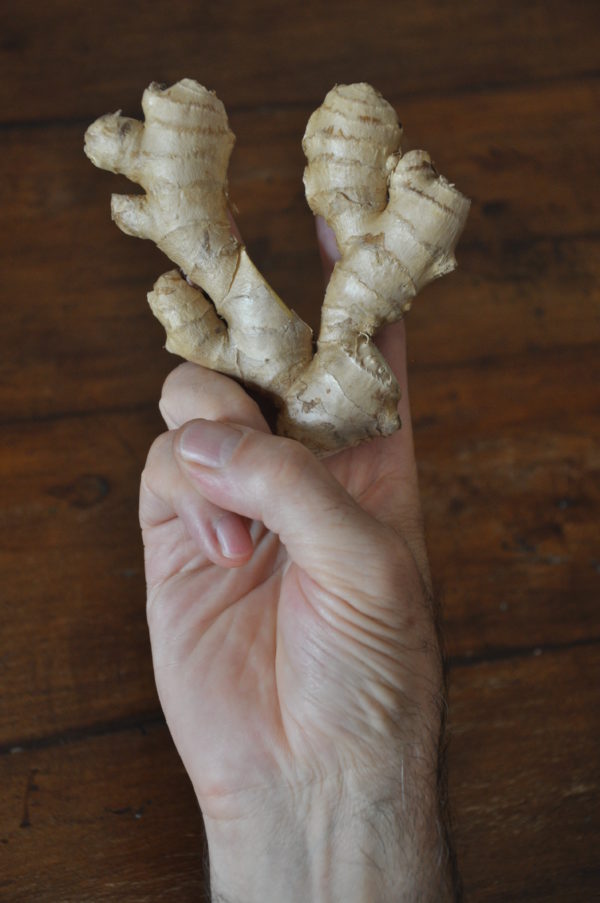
[261,53]
[102,819]
[525,776]
[75,643]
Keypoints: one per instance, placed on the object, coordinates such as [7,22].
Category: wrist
[358,847]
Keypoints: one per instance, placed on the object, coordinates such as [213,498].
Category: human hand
[295,649]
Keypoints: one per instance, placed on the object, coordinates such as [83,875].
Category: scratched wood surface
[505,389]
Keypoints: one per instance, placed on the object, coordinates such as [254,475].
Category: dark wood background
[505,384]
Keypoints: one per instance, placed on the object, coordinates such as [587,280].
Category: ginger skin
[396,223]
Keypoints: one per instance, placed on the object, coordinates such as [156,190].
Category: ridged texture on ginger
[396,223]
[180,157]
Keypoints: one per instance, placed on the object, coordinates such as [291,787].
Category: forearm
[368,850]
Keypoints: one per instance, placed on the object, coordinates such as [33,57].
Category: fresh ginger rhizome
[396,222]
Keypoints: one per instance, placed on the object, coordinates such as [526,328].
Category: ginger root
[396,223]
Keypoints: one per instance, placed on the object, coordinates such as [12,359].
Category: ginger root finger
[180,157]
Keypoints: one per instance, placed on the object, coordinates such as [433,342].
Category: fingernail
[208,443]
[233,536]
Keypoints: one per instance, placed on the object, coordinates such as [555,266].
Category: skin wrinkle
[378,677]
[330,616]
[393,660]
[160,609]
[376,673]
[296,465]
[382,809]
[175,552]
[148,490]
[193,570]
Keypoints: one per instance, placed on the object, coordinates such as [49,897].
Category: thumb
[279,482]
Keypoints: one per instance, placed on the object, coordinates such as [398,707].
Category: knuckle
[191,391]
[176,377]
[171,390]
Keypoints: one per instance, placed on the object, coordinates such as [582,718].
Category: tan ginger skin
[396,222]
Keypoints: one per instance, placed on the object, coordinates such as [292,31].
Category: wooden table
[505,385]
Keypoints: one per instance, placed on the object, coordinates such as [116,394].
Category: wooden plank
[75,647]
[107,818]
[510,470]
[513,547]
[524,777]
[78,333]
[510,505]
[69,60]
[524,784]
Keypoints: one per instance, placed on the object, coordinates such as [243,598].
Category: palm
[239,651]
